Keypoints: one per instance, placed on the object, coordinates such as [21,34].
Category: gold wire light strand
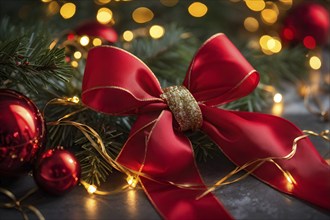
[17,203]
[98,144]
[257,163]
[103,193]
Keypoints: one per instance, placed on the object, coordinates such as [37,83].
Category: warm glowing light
[286,4]
[269,16]
[274,45]
[74,64]
[289,177]
[132,181]
[264,40]
[278,46]
[84,40]
[104,15]
[169,3]
[97,42]
[53,8]
[309,42]
[52,44]
[104,1]
[277,109]
[68,10]
[77,55]
[270,45]
[91,189]
[156,31]
[128,35]
[273,6]
[45,1]
[277,98]
[315,62]
[142,15]
[197,9]
[74,99]
[251,24]
[255,5]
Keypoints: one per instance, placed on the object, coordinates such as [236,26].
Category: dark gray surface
[247,199]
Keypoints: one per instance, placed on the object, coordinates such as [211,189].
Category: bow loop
[116,82]
[219,73]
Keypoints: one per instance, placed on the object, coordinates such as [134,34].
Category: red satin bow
[118,83]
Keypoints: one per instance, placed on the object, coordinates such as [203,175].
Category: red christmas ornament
[57,171]
[308,24]
[22,131]
[95,29]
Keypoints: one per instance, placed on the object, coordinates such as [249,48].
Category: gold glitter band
[184,107]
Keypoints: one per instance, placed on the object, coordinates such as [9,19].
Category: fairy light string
[133,176]
[250,167]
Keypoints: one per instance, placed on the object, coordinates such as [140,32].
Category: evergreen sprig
[27,61]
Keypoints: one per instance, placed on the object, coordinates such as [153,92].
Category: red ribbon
[118,83]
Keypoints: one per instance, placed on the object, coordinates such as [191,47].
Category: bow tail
[169,175]
[245,137]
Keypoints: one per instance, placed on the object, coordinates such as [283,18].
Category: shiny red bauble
[308,24]
[57,171]
[22,131]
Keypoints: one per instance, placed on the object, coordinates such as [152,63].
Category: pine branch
[94,168]
[168,57]
[27,63]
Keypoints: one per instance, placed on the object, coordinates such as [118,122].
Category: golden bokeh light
[52,44]
[255,5]
[169,3]
[104,15]
[264,40]
[97,42]
[103,1]
[77,55]
[74,64]
[276,45]
[84,40]
[68,10]
[251,24]
[269,16]
[53,8]
[273,6]
[197,9]
[277,109]
[278,98]
[45,1]
[270,45]
[142,15]
[286,4]
[156,31]
[128,35]
[315,63]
